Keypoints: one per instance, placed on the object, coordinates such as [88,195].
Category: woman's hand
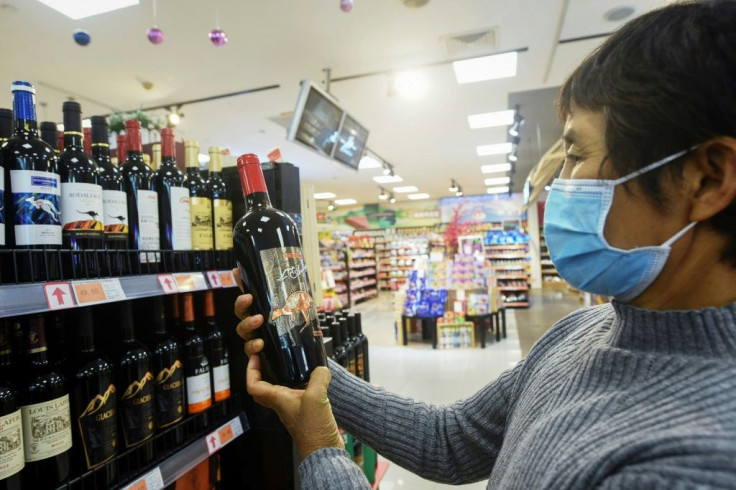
[306,414]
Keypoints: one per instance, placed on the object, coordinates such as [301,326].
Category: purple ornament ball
[218,37]
[346,5]
[82,37]
[155,35]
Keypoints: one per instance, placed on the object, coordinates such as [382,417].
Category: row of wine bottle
[77,199]
[349,344]
[64,410]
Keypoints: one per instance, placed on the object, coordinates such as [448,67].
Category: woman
[640,393]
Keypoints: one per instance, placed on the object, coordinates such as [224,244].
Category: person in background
[636,394]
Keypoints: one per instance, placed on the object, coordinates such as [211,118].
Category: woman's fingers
[242,303]
[246,327]
[253,347]
[236,273]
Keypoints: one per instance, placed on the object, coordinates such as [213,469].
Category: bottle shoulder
[77,165]
[42,156]
[92,364]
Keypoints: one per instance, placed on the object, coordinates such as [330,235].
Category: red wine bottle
[11,428]
[94,405]
[217,352]
[87,134]
[200,204]
[121,150]
[271,263]
[81,195]
[47,425]
[222,206]
[173,199]
[196,364]
[363,364]
[50,135]
[142,198]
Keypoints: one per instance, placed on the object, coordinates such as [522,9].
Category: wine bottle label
[148,220]
[170,395]
[136,410]
[12,459]
[199,391]
[115,209]
[181,223]
[360,362]
[2,208]
[98,429]
[221,378]
[292,306]
[47,429]
[81,209]
[201,209]
[36,198]
[351,365]
[223,214]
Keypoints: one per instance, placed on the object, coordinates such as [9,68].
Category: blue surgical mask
[574,220]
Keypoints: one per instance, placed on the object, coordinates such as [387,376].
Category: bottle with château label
[12,459]
[222,206]
[269,256]
[173,199]
[200,204]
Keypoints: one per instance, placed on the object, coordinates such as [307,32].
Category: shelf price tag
[227,279]
[194,281]
[150,481]
[214,278]
[58,295]
[168,284]
[222,436]
[92,292]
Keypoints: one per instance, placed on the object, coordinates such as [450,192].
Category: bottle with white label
[81,195]
[11,431]
[217,352]
[32,191]
[47,425]
[196,364]
[140,187]
[173,199]
[6,130]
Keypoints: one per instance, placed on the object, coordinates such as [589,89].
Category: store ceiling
[427,139]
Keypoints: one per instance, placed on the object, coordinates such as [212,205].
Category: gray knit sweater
[612,397]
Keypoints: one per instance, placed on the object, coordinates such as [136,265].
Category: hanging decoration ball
[218,37]
[346,5]
[82,37]
[155,35]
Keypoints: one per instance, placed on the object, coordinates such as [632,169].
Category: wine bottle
[81,195]
[114,200]
[6,124]
[47,427]
[50,135]
[121,150]
[135,388]
[94,405]
[142,197]
[338,349]
[33,193]
[363,364]
[222,206]
[347,347]
[173,317]
[196,364]
[355,346]
[6,130]
[11,429]
[217,352]
[56,336]
[200,204]
[271,263]
[173,199]
[87,138]
[156,157]
[60,142]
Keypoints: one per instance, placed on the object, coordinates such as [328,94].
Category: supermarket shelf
[362,266]
[362,248]
[509,267]
[508,247]
[550,273]
[361,286]
[513,288]
[513,276]
[507,256]
[516,305]
[363,274]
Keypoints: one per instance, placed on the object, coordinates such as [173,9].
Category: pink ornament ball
[218,37]
[155,35]
[346,5]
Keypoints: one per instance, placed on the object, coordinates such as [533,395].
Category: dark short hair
[664,82]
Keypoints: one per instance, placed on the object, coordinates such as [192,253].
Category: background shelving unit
[362,268]
[512,269]
[334,263]
[399,257]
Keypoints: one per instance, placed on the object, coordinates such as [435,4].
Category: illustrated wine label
[201,209]
[136,410]
[181,222]
[221,378]
[81,209]
[115,209]
[170,395]
[12,459]
[148,220]
[98,429]
[2,208]
[47,429]
[223,214]
[199,391]
[36,198]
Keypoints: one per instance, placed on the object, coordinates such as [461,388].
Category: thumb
[318,383]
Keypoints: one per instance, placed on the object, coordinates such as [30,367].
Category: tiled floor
[443,376]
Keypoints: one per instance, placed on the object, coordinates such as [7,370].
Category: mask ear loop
[679,234]
[654,165]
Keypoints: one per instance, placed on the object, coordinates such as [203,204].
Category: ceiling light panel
[80,9]
[497,190]
[415,197]
[345,202]
[497,149]
[324,195]
[405,189]
[368,162]
[495,168]
[486,68]
[387,179]
[497,181]
[491,119]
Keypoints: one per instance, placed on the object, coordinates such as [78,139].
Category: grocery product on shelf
[217,352]
[363,282]
[173,199]
[508,252]
[222,206]
[200,203]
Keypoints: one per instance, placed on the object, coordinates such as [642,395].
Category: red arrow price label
[58,295]
[214,279]
[217,439]
[168,284]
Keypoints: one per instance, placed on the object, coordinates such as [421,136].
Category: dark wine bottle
[47,426]
[135,388]
[6,130]
[56,336]
[11,428]
[121,150]
[346,345]
[33,191]
[81,195]
[50,135]
[355,346]
[142,198]
[217,352]
[87,139]
[155,157]
[200,204]
[271,263]
[222,206]
[60,142]
[196,364]
[363,364]
[338,349]
[94,405]
[6,124]
[173,199]
[114,200]
[173,317]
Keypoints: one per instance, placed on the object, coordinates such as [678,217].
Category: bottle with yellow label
[200,204]
[222,207]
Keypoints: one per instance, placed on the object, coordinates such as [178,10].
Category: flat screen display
[350,143]
[319,124]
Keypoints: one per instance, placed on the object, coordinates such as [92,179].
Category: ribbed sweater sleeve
[331,469]
[454,444]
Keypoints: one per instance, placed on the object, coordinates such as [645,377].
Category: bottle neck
[168,162]
[24,127]
[257,200]
[101,152]
[128,334]
[133,140]
[73,140]
[87,341]
[35,342]
[24,112]
[193,171]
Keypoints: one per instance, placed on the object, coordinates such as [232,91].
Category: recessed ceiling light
[497,190]
[409,84]
[324,195]
[368,162]
[387,179]
[618,13]
[415,197]
[486,68]
[495,168]
[497,149]
[80,9]
[491,119]
[497,180]
[345,202]
[405,189]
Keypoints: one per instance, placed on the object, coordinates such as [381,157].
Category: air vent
[471,42]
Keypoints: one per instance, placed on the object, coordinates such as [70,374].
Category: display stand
[427,322]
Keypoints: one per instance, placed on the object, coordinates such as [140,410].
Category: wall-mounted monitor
[351,142]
